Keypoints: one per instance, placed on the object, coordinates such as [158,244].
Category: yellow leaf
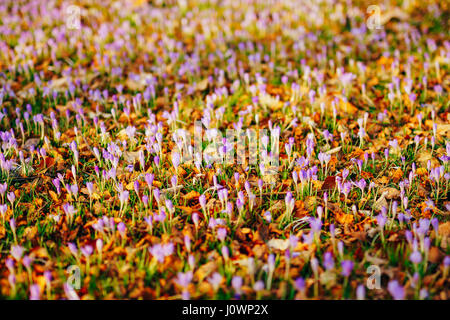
[191,195]
[53,195]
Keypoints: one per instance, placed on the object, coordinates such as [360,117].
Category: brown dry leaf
[357,154]
[360,235]
[344,218]
[329,183]
[383,180]
[444,229]
[278,244]
[310,202]
[434,255]
[157,184]
[374,260]
[390,193]
[366,175]
[53,195]
[186,209]
[30,232]
[31,142]
[442,129]
[332,163]
[424,156]
[202,85]
[276,206]
[191,195]
[130,186]
[317,184]
[380,203]
[347,107]
[205,270]
[421,171]
[130,156]
[397,175]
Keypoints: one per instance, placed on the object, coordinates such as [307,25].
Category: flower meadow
[337,189]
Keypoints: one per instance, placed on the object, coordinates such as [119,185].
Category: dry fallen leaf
[278,244]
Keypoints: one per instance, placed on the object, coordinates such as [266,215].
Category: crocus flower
[396,290]
[415,257]
[299,284]
[258,286]
[268,216]
[184,279]
[12,224]
[447,261]
[381,220]
[70,293]
[347,267]
[225,252]
[11,197]
[328,261]
[35,292]
[221,234]
[3,209]
[236,283]
[175,160]
[122,229]
[87,250]
[90,188]
[10,264]
[360,292]
[17,252]
[215,280]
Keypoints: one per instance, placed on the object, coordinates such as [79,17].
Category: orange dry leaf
[421,171]
[344,218]
[53,195]
[357,154]
[191,195]
[332,163]
[186,209]
[397,175]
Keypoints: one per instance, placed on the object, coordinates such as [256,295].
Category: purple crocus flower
[221,234]
[87,250]
[316,225]
[258,286]
[73,248]
[202,200]
[299,284]
[328,261]
[3,209]
[26,261]
[215,280]
[11,197]
[415,257]
[90,187]
[225,252]
[184,279]
[236,283]
[12,224]
[35,292]
[447,261]
[175,160]
[360,292]
[268,216]
[347,267]
[70,293]
[381,220]
[17,252]
[396,290]
[122,229]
